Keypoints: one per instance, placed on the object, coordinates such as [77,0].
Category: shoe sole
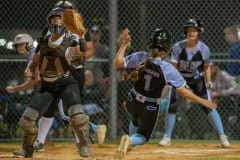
[164,145]
[40,150]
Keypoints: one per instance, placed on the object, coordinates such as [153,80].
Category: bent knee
[79,119]
[28,125]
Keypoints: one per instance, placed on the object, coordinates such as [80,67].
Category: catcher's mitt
[72,20]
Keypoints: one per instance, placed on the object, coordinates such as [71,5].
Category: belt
[191,75]
[141,98]
[53,79]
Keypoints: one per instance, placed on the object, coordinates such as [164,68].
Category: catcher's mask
[57,28]
[193,23]
[161,39]
[23,38]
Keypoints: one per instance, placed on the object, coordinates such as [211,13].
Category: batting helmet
[55,28]
[161,39]
[23,38]
[193,23]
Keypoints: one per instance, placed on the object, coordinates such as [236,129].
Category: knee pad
[28,120]
[30,114]
[28,126]
[77,116]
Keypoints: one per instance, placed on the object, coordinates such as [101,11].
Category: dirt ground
[63,151]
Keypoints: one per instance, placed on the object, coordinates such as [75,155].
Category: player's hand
[126,38]
[209,85]
[209,104]
[10,89]
[216,94]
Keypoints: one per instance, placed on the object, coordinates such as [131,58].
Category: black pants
[79,76]
[50,92]
[144,116]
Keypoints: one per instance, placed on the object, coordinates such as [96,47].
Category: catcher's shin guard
[79,121]
[27,122]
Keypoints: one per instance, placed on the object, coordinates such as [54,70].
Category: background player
[192,58]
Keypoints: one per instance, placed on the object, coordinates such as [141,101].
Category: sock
[93,126]
[137,139]
[216,121]
[44,125]
[76,137]
[132,129]
[61,111]
[170,120]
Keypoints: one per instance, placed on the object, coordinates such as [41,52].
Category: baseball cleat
[101,133]
[166,141]
[123,147]
[224,141]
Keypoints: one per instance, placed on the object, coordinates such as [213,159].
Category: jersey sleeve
[206,54]
[175,53]
[133,60]
[172,76]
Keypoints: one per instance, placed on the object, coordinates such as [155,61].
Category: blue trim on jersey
[135,59]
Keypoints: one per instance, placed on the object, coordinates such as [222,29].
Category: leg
[27,122]
[170,119]
[44,125]
[79,121]
[216,121]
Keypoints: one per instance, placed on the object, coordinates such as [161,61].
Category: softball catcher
[56,82]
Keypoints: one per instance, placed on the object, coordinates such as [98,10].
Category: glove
[73,22]
[209,85]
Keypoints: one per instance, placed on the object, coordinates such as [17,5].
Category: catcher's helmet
[193,23]
[64,5]
[55,28]
[23,38]
[57,11]
[161,39]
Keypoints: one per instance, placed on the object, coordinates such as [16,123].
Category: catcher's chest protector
[52,60]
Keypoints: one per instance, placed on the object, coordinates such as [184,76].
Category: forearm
[25,86]
[90,50]
[207,71]
[119,58]
[186,93]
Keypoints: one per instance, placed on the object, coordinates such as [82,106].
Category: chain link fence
[110,16]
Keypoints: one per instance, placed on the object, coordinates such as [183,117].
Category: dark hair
[146,64]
